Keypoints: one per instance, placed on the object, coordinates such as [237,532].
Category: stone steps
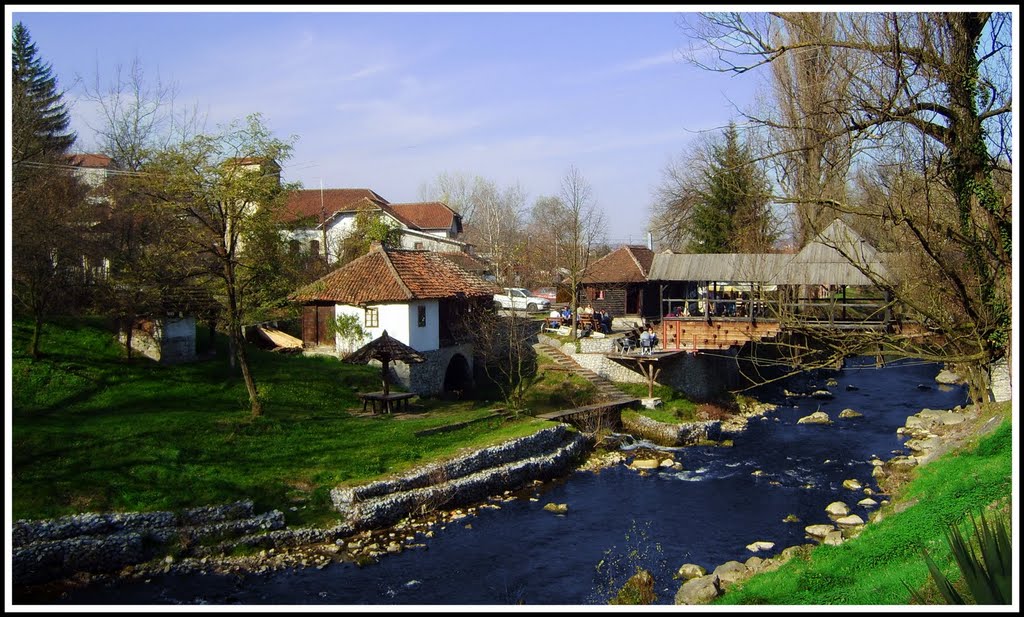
[604,386]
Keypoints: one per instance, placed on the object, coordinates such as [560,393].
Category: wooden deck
[696,334]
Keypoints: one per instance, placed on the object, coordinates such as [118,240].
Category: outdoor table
[388,402]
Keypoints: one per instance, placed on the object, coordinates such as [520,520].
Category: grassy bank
[93,431]
[877,566]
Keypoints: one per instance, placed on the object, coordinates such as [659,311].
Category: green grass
[674,409]
[873,567]
[93,431]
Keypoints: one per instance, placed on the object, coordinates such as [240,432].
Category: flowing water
[724,499]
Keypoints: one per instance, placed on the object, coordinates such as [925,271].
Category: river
[618,519]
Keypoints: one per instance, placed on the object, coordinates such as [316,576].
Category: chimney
[650,241]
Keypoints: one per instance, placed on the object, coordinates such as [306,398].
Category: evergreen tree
[39,118]
[732,212]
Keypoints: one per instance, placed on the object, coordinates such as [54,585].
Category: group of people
[590,320]
[644,339]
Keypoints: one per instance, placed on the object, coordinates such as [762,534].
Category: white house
[422,298]
[319,219]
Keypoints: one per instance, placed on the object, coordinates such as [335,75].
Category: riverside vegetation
[93,431]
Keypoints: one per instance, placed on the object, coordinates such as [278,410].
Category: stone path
[605,387]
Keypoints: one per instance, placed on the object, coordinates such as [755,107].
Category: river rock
[852,484]
[557,508]
[760,545]
[822,394]
[849,521]
[833,538]
[645,463]
[700,590]
[791,518]
[818,417]
[867,502]
[755,563]
[948,377]
[837,509]
[849,413]
[819,531]
[688,571]
[638,590]
[730,572]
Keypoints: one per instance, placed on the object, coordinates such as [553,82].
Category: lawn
[93,431]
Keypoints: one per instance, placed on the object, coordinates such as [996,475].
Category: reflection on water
[724,499]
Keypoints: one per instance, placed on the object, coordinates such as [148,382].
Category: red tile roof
[394,275]
[101,161]
[314,203]
[426,215]
[626,264]
[467,262]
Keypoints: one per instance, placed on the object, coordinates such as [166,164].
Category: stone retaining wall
[686,434]
[47,550]
[462,480]
[50,549]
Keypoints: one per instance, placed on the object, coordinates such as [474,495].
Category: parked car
[520,299]
[548,293]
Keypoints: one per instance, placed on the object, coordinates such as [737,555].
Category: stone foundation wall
[427,378]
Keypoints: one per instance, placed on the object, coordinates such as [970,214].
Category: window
[371,318]
[600,294]
[418,246]
[314,247]
[421,316]
[294,246]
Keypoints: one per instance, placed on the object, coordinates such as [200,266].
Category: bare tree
[809,105]
[930,93]
[137,119]
[582,227]
[138,115]
[493,217]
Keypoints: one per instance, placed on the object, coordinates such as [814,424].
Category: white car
[519,298]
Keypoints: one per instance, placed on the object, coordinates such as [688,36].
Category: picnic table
[388,402]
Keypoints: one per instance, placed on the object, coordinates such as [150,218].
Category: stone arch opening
[458,376]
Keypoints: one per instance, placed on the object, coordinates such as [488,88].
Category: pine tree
[732,214]
[39,118]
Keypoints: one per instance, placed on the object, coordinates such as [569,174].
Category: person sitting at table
[554,319]
[587,311]
[652,335]
[606,322]
[566,316]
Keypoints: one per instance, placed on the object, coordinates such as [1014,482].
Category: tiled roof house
[421,298]
[617,282]
[317,216]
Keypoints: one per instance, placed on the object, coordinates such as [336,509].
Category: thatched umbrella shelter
[386,350]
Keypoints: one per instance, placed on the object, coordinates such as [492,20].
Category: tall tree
[931,92]
[50,218]
[39,117]
[716,199]
[227,187]
[809,101]
[49,214]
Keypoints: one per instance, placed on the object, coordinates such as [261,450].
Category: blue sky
[389,100]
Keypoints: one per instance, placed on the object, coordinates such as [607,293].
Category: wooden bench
[388,402]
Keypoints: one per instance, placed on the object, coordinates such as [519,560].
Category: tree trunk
[37,330]
[238,341]
[250,385]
